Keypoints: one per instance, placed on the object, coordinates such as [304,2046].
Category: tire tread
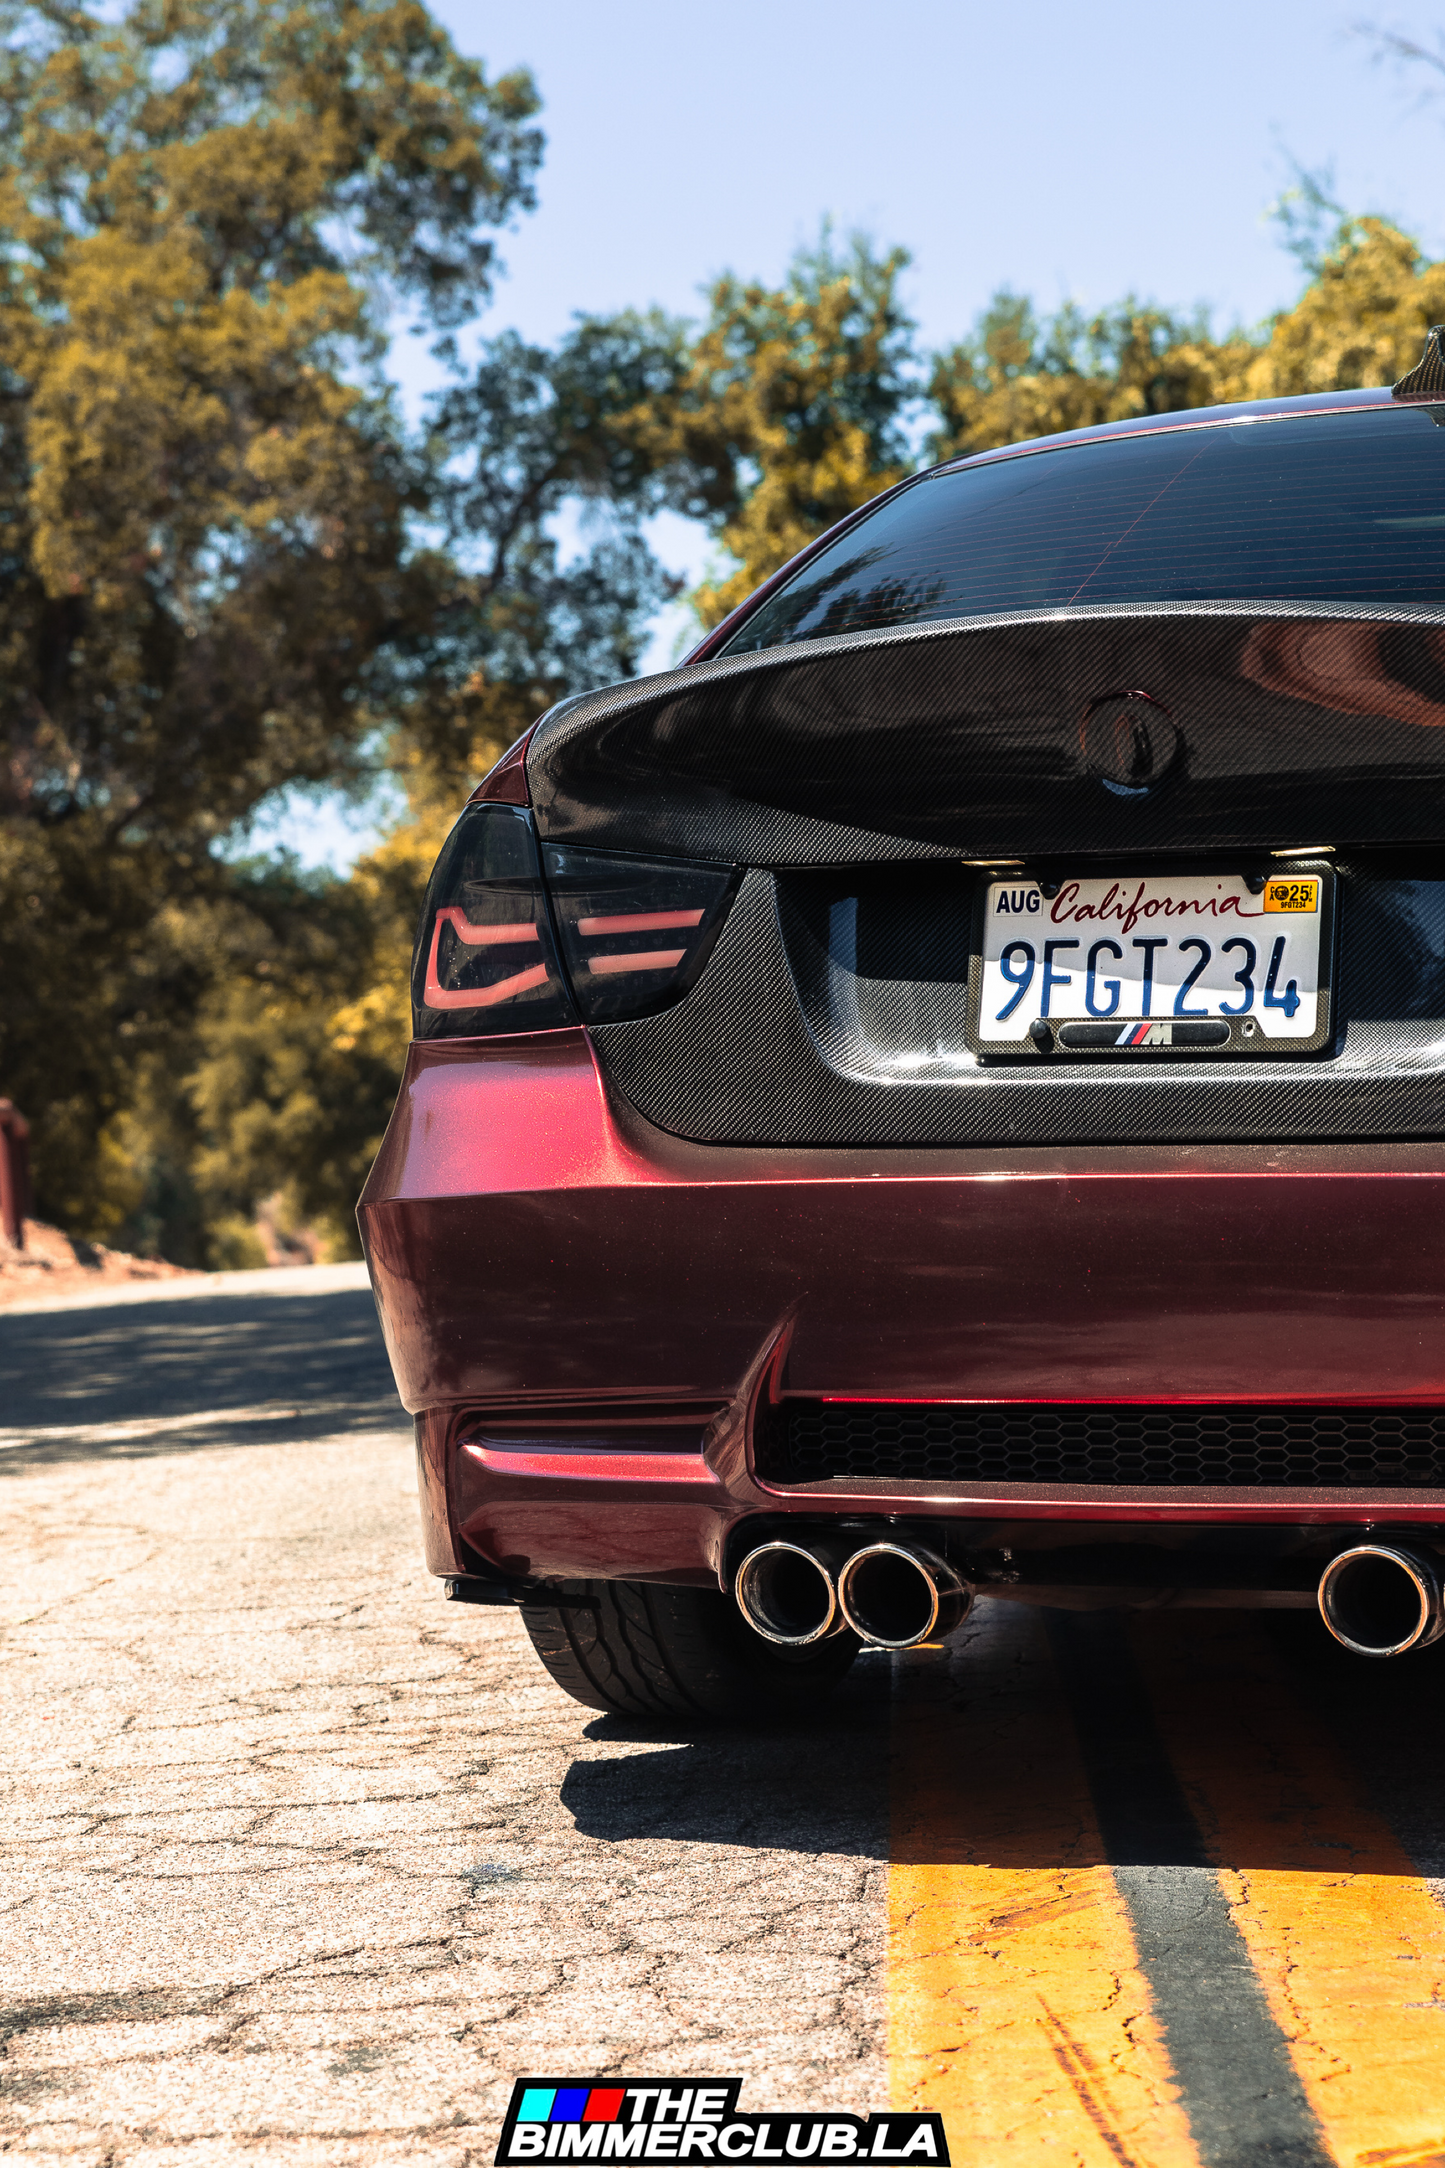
[640,1648]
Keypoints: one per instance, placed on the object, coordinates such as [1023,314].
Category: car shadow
[1378,1714]
[1061,1740]
[135,1380]
[815,1786]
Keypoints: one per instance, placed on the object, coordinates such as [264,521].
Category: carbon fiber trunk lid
[868,782]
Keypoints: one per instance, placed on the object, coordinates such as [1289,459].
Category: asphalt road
[302,1864]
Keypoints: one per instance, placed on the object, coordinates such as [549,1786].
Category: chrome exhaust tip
[787,1595]
[1380,1600]
[895,1596]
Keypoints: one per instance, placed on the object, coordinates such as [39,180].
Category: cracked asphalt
[302,1864]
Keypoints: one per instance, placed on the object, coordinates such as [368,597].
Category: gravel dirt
[50,1263]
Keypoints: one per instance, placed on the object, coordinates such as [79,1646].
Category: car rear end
[944,1095]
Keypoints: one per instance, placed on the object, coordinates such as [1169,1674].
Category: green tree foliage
[788,409]
[203,496]
[228,569]
[1018,377]
[523,436]
[1361,320]
[278,1097]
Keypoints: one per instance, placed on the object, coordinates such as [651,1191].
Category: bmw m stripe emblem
[1146,1034]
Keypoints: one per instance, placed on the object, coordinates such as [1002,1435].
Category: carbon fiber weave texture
[963,739]
[736,1063]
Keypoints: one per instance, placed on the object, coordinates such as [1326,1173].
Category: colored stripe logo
[1146,1034]
[571,2104]
[698,2120]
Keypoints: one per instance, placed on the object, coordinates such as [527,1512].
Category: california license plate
[1198,964]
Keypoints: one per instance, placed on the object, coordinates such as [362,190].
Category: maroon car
[943,1095]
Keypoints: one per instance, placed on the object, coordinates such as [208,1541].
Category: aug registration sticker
[1181,961]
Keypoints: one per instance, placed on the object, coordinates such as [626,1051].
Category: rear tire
[640,1648]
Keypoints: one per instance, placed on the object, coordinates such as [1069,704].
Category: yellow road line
[1016,2005]
[1345,1936]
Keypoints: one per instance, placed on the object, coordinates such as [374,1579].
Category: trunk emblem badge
[1129,742]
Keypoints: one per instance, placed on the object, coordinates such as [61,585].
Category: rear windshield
[1343,507]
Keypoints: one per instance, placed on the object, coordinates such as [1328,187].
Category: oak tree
[206,208]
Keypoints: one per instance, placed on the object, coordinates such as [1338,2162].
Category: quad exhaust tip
[1380,1600]
[892,1595]
[788,1595]
[895,1595]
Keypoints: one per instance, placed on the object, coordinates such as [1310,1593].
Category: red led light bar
[479,997]
[663,959]
[485,936]
[637,922]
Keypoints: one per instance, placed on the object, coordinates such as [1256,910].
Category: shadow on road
[1199,1740]
[819,1787]
[167,1377]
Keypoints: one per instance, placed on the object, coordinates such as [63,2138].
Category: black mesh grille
[809,1442]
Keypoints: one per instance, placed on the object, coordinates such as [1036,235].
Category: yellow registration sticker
[1291,895]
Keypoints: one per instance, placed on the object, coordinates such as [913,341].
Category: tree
[788,412]
[1018,377]
[527,435]
[1362,319]
[211,582]
[296,1056]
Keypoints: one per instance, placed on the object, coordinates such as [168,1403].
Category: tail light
[634,933]
[485,959]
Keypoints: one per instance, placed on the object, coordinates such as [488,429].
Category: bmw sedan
[941,1097]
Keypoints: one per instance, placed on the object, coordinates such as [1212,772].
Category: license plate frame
[1073,1030]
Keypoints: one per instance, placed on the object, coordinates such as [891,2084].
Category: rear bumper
[584,1313]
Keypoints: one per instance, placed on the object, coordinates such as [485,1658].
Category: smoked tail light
[633,933]
[485,958]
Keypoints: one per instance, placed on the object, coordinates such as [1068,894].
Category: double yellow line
[1018,2001]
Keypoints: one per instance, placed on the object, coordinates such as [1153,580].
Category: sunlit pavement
[1160,1892]
[304,1865]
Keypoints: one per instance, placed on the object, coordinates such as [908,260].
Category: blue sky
[1066,151]
[1070,150]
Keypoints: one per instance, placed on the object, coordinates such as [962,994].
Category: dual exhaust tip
[1380,1599]
[892,1595]
[1377,1599]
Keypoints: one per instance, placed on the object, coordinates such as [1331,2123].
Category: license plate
[1191,964]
